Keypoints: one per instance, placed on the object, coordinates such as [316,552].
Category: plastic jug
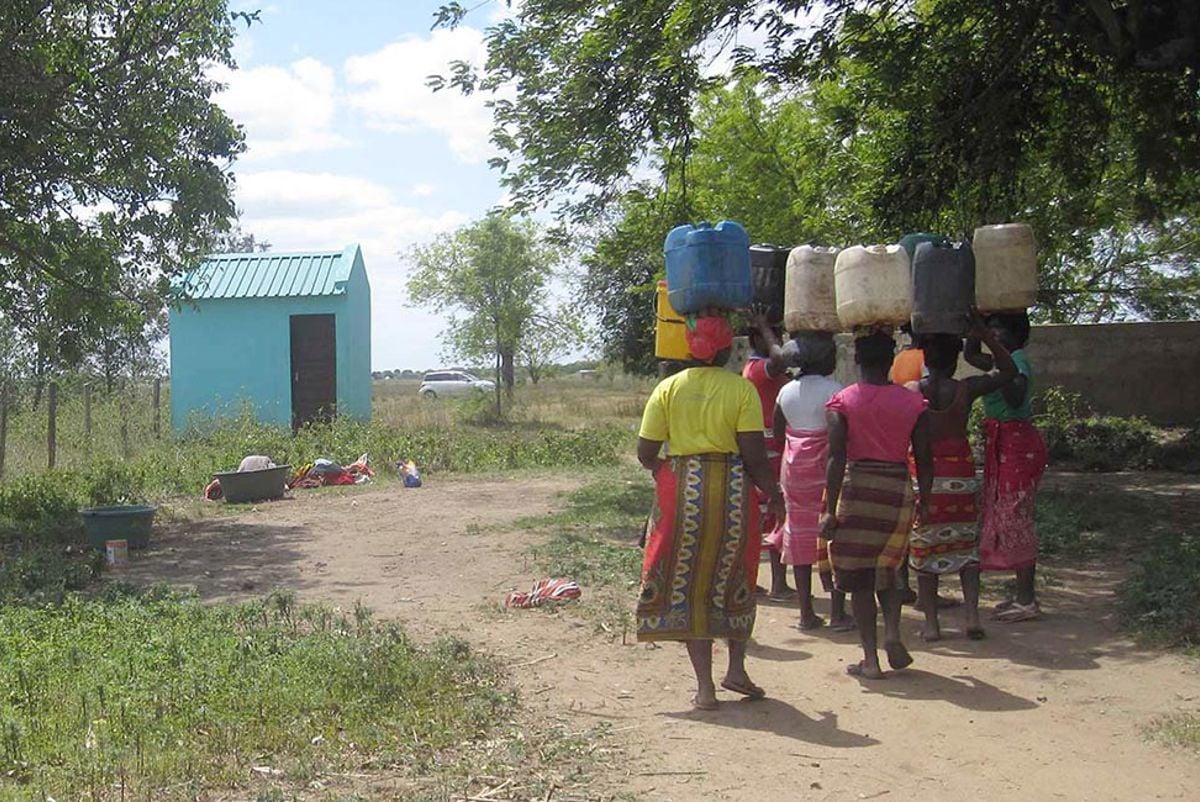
[909,242]
[768,274]
[943,277]
[708,266]
[873,285]
[670,329]
[1005,267]
[809,300]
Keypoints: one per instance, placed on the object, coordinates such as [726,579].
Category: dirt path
[1045,710]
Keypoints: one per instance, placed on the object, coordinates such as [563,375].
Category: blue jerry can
[708,266]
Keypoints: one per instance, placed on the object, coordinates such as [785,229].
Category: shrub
[1162,596]
[40,500]
[1076,435]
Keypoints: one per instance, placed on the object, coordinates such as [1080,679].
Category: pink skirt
[802,477]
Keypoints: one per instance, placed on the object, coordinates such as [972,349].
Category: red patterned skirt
[1014,461]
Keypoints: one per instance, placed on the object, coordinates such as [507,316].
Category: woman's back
[879,420]
[701,411]
[949,407]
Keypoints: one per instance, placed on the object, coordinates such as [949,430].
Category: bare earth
[1045,710]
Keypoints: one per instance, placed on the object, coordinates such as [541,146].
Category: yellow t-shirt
[701,410]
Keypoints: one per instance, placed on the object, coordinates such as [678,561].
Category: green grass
[161,697]
[593,540]
[1179,730]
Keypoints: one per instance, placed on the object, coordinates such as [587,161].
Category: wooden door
[314,369]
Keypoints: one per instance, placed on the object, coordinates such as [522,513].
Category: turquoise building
[288,334]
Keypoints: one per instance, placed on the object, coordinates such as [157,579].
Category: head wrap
[809,348]
[708,336]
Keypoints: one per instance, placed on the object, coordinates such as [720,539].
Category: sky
[346,144]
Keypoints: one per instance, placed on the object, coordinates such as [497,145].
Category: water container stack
[873,286]
[1005,267]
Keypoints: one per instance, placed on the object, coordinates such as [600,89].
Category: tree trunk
[507,370]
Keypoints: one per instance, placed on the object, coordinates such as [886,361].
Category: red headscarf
[708,336]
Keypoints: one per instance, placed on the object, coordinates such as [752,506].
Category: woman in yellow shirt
[701,564]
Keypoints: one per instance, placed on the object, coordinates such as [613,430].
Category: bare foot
[865,670]
[930,634]
[898,656]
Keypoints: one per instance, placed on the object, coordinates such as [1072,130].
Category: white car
[453,382]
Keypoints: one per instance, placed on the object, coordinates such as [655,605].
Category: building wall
[228,352]
[1147,369]
[354,346]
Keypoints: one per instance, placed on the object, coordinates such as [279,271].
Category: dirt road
[1046,710]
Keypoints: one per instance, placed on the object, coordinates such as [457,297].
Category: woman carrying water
[1014,460]
[946,539]
[868,494]
[700,568]
[801,427]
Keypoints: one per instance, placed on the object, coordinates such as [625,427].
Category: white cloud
[285,110]
[286,192]
[390,89]
[422,190]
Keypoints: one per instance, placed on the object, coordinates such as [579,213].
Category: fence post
[3,427]
[124,405]
[87,415]
[52,424]
[157,407]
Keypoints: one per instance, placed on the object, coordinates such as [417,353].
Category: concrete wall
[1147,369]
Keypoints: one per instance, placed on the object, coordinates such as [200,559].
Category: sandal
[749,689]
[843,625]
[1019,612]
[976,633]
[816,622]
[699,705]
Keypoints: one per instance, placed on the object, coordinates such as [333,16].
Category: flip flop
[1020,612]
[749,690]
[816,622]
[898,657]
[843,626]
[859,670]
[698,705]
[976,633]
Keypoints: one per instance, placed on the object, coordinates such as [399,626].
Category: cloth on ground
[543,591]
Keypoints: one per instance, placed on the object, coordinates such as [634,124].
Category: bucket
[116,553]
[670,329]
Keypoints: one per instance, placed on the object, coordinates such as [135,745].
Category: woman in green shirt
[1014,460]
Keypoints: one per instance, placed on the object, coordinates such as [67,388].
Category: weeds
[1180,730]
[160,696]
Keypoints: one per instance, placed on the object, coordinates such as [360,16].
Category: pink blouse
[879,420]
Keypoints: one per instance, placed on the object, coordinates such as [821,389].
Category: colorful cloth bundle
[543,591]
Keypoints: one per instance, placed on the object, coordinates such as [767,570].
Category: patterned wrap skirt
[700,568]
[803,481]
[874,515]
[1014,460]
[949,540]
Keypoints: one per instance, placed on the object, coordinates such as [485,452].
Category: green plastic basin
[128,522]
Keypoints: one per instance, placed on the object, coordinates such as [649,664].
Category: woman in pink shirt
[868,494]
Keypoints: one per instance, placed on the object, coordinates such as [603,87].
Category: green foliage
[1162,597]
[1075,435]
[115,158]
[1181,730]
[161,696]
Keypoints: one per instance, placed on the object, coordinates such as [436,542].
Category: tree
[547,337]
[235,240]
[975,91]
[115,161]
[490,276]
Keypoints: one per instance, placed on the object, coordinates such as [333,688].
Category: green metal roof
[270,275]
